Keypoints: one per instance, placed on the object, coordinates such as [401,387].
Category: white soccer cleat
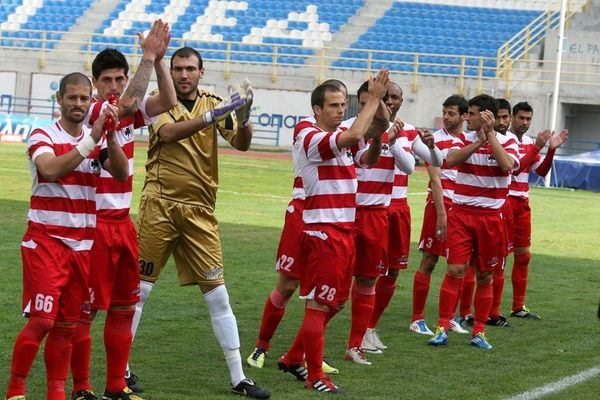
[419,326]
[357,356]
[456,327]
[369,347]
[372,337]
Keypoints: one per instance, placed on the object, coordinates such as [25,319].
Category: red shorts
[521,213]
[370,239]
[55,278]
[507,216]
[429,241]
[327,259]
[114,270]
[288,253]
[399,237]
[477,233]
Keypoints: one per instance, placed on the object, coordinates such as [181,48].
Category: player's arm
[53,167]
[504,160]
[459,155]
[554,143]
[425,148]
[113,158]
[435,179]
[153,48]
[243,137]
[371,156]
[166,97]
[377,89]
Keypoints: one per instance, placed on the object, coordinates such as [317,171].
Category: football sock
[448,297]
[117,342]
[384,291]
[82,349]
[25,349]
[466,296]
[145,289]
[421,284]
[225,328]
[272,314]
[483,303]
[498,288]
[363,300]
[57,354]
[313,334]
[519,279]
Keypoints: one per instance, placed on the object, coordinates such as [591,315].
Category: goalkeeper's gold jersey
[187,171]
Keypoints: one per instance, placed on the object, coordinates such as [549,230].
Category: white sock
[145,289]
[225,328]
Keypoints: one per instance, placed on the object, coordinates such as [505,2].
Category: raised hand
[223,109]
[542,138]
[247,94]
[557,140]
[378,85]
[395,131]
[156,43]
[426,137]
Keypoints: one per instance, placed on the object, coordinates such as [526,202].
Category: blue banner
[17,128]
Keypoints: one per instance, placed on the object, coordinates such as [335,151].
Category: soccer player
[114,274]
[329,178]
[485,160]
[178,199]
[518,196]
[432,243]
[399,219]
[288,255]
[375,183]
[65,161]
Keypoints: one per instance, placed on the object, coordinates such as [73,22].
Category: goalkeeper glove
[246,93]
[223,109]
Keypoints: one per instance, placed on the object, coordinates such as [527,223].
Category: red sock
[498,288]
[484,295]
[384,291]
[80,359]
[313,334]
[57,354]
[25,349]
[117,341]
[363,300]
[519,279]
[448,298]
[295,354]
[272,315]
[466,297]
[332,313]
[421,284]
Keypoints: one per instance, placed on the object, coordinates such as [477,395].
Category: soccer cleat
[257,358]
[357,356]
[456,327]
[525,313]
[440,338]
[467,321]
[324,385]
[84,395]
[298,370]
[419,326]
[369,347]
[500,320]
[328,369]
[125,394]
[481,341]
[372,337]
[248,388]
[132,383]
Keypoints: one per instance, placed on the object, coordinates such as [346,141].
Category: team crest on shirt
[94,166]
[215,273]
[127,133]
[385,149]
[349,154]
[491,159]
[493,262]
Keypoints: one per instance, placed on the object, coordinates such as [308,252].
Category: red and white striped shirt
[375,182]
[519,185]
[65,209]
[480,181]
[113,198]
[329,178]
[444,141]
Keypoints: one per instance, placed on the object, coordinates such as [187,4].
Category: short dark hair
[317,97]
[399,88]
[503,104]
[109,58]
[185,52]
[74,78]
[457,100]
[485,102]
[522,106]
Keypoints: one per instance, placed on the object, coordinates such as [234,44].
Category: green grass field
[177,356]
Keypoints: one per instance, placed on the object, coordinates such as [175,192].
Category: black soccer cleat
[132,383]
[500,320]
[248,388]
[298,370]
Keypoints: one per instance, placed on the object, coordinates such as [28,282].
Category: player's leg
[466,298]
[496,318]
[421,285]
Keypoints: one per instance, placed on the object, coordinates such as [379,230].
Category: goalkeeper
[178,199]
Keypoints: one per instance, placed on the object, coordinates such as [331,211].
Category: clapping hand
[247,94]
[557,140]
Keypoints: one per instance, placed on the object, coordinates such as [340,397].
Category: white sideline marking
[558,386]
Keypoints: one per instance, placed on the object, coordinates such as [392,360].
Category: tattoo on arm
[136,90]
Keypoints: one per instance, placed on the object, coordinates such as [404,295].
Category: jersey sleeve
[163,119]
[141,117]
[39,142]
[94,112]
[512,148]
[320,146]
